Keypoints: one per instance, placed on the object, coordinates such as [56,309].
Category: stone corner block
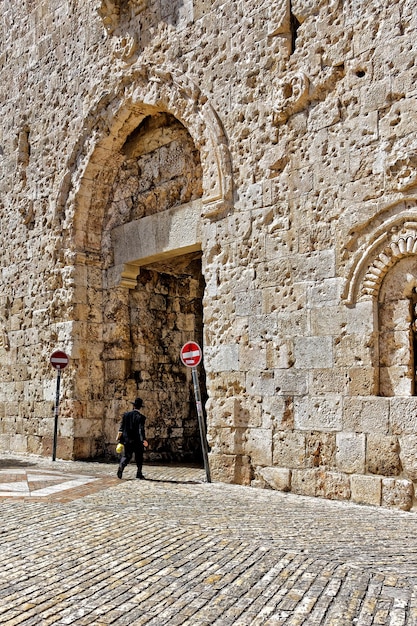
[230,468]
[278,478]
[397,493]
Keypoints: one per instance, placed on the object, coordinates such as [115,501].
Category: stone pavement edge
[175,550]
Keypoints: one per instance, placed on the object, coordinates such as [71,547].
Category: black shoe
[119,473]
[140,476]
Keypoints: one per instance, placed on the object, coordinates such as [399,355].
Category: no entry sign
[59,360]
[191,354]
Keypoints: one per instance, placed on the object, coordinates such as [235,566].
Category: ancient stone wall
[276,141]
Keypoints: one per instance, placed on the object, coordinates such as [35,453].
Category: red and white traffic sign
[59,360]
[191,354]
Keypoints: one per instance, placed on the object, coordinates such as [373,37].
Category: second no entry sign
[191,354]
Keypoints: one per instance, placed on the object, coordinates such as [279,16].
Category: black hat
[138,403]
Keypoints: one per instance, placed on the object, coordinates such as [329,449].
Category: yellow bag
[119,448]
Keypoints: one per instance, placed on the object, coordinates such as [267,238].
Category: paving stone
[176,550]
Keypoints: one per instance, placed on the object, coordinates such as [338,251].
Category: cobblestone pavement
[174,550]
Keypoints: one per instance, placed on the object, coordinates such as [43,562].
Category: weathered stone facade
[241,173]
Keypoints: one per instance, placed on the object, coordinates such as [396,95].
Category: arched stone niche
[384,269]
[376,247]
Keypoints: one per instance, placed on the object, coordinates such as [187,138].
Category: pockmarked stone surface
[236,173]
[174,549]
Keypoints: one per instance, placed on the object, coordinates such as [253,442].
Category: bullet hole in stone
[360,73]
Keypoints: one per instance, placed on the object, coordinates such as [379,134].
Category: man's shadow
[15,463]
[169,480]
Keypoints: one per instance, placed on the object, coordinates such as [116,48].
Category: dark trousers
[130,449]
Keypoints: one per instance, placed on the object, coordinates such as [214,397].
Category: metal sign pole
[58,384]
[201,422]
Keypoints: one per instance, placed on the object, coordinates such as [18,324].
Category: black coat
[132,427]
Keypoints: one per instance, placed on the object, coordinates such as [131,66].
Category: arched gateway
[152,167]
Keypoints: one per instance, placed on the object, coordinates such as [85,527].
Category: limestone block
[222,358]
[323,381]
[227,468]
[285,298]
[327,320]
[318,413]
[65,427]
[47,445]
[350,452]
[327,293]
[278,412]
[95,409]
[273,274]
[352,350]
[260,383]
[366,415]
[252,357]
[243,282]
[227,440]
[408,456]
[280,240]
[395,380]
[5,441]
[313,352]
[290,382]
[304,482]
[34,445]
[228,383]
[397,493]
[18,443]
[320,449]
[154,236]
[315,266]
[46,426]
[301,180]
[395,348]
[263,327]
[29,426]
[400,115]
[396,311]
[292,324]
[363,381]
[87,428]
[116,370]
[403,415]
[382,455]
[366,489]
[279,355]
[332,485]
[229,412]
[360,319]
[278,478]
[289,449]
[258,446]
[251,197]
[82,448]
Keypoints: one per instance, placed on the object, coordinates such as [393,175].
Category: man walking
[132,435]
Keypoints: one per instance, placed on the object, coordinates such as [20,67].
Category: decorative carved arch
[385,242]
[140,93]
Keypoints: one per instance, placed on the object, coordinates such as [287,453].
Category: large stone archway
[119,255]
